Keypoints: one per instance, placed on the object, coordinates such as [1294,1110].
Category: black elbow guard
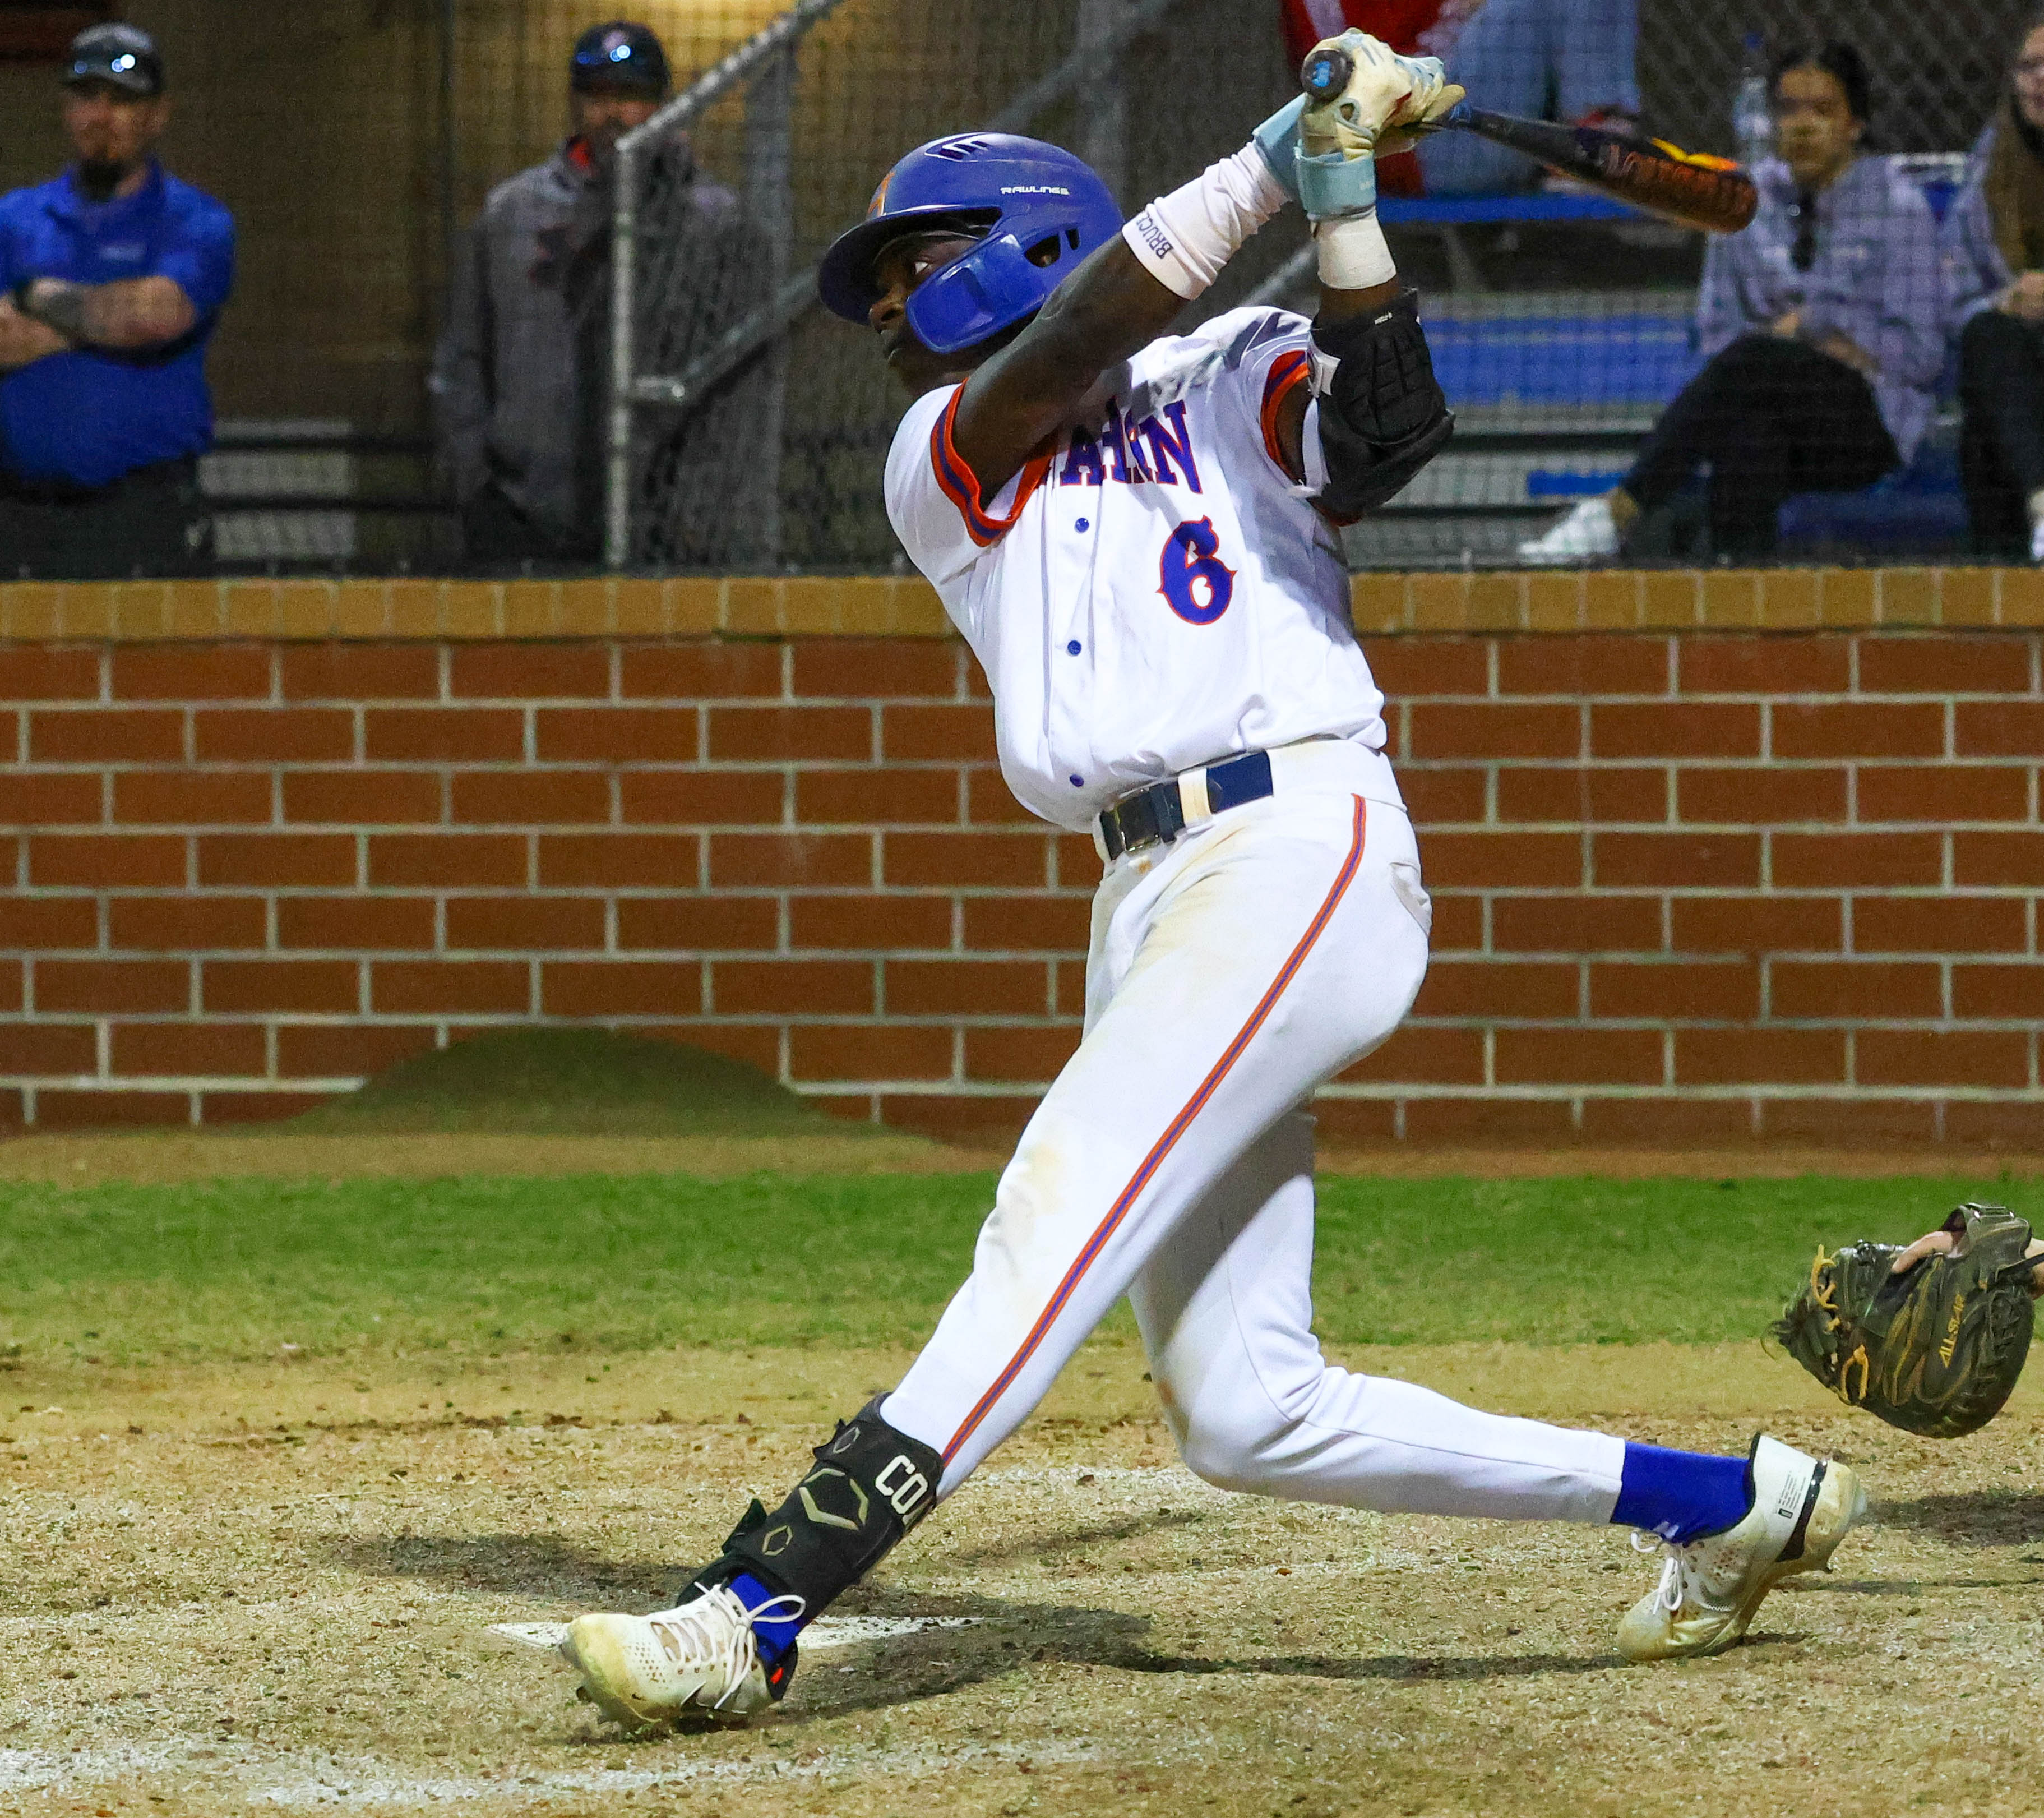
[1382,414]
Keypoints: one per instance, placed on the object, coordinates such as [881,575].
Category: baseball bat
[1689,187]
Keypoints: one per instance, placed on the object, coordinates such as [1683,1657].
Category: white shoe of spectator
[2037,527]
[1588,534]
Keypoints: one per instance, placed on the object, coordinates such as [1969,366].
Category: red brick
[795,861]
[416,987]
[359,671]
[1487,729]
[792,987]
[346,1050]
[1848,1122]
[521,924]
[225,1107]
[825,798]
[107,736]
[47,672]
[526,798]
[1436,795]
[787,735]
[447,861]
[28,922]
[1943,793]
[1666,1123]
[1834,861]
[1415,668]
[181,1050]
[528,671]
[701,798]
[305,861]
[1354,1122]
[699,672]
[1725,990]
[1998,858]
[580,861]
[442,735]
[109,1110]
[965,1118]
[115,986]
[966,859]
[1849,989]
[1028,924]
[1857,729]
[14,985]
[64,798]
[49,1048]
[926,733]
[1024,1056]
[1763,1056]
[107,860]
[1582,666]
[1425,1056]
[989,802]
[360,922]
[1502,1121]
[1764,666]
[1505,860]
[364,797]
[1999,994]
[1756,925]
[191,798]
[1676,729]
[1975,664]
[1576,794]
[1762,796]
[186,922]
[190,672]
[616,735]
[1605,1057]
[1942,1057]
[261,987]
[620,988]
[911,669]
[1943,923]
[1992,1125]
[1078,865]
[870,1051]
[274,735]
[1567,924]
[1676,861]
[967,988]
[680,922]
[871,922]
[1998,729]
[1505,988]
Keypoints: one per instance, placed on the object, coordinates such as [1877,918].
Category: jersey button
[1083,524]
[1072,649]
[1078,782]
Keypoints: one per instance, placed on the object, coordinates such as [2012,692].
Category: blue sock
[776,1634]
[1681,1496]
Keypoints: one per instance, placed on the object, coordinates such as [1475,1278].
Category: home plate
[825,1632]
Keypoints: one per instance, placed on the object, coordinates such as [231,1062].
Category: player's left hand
[1385,92]
[1939,1243]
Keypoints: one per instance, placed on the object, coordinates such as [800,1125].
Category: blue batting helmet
[1034,210]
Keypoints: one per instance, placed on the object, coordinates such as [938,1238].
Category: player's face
[897,272]
[601,120]
[108,126]
[1815,125]
[2030,77]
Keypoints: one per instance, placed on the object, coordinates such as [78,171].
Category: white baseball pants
[1231,973]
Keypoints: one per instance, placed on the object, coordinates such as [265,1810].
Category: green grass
[235,1268]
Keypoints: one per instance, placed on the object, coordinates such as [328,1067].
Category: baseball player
[1133,530]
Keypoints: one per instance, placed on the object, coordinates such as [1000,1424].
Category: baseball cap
[621,55]
[125,55]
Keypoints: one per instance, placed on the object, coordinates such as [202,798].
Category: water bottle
[1752,107]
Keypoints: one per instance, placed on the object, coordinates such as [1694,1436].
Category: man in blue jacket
[114,275]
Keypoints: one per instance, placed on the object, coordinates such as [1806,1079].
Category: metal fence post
[770,206]
[623,302]
[1104,102]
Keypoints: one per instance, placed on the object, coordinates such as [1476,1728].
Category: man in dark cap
[521,379]
[114,275]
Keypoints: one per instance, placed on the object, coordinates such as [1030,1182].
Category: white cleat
[698,1659]
[1588,534]
[1802,1508]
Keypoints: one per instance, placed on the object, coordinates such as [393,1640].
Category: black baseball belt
[1160,813]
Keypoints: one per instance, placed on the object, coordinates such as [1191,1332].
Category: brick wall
[1687,886]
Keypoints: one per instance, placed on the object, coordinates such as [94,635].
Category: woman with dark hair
[1824,322]
[1995,233]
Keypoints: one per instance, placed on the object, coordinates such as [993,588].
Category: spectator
[521,378]
[1565,59]
[1995,239]
[114,274]
[1824,323]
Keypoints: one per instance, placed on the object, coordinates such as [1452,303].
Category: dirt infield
[214,1612]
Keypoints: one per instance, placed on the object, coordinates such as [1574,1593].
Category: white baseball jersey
[1152,593]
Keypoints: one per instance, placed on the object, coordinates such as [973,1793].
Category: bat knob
[1325,73]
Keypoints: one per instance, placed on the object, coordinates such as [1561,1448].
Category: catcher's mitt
[1935,1351]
